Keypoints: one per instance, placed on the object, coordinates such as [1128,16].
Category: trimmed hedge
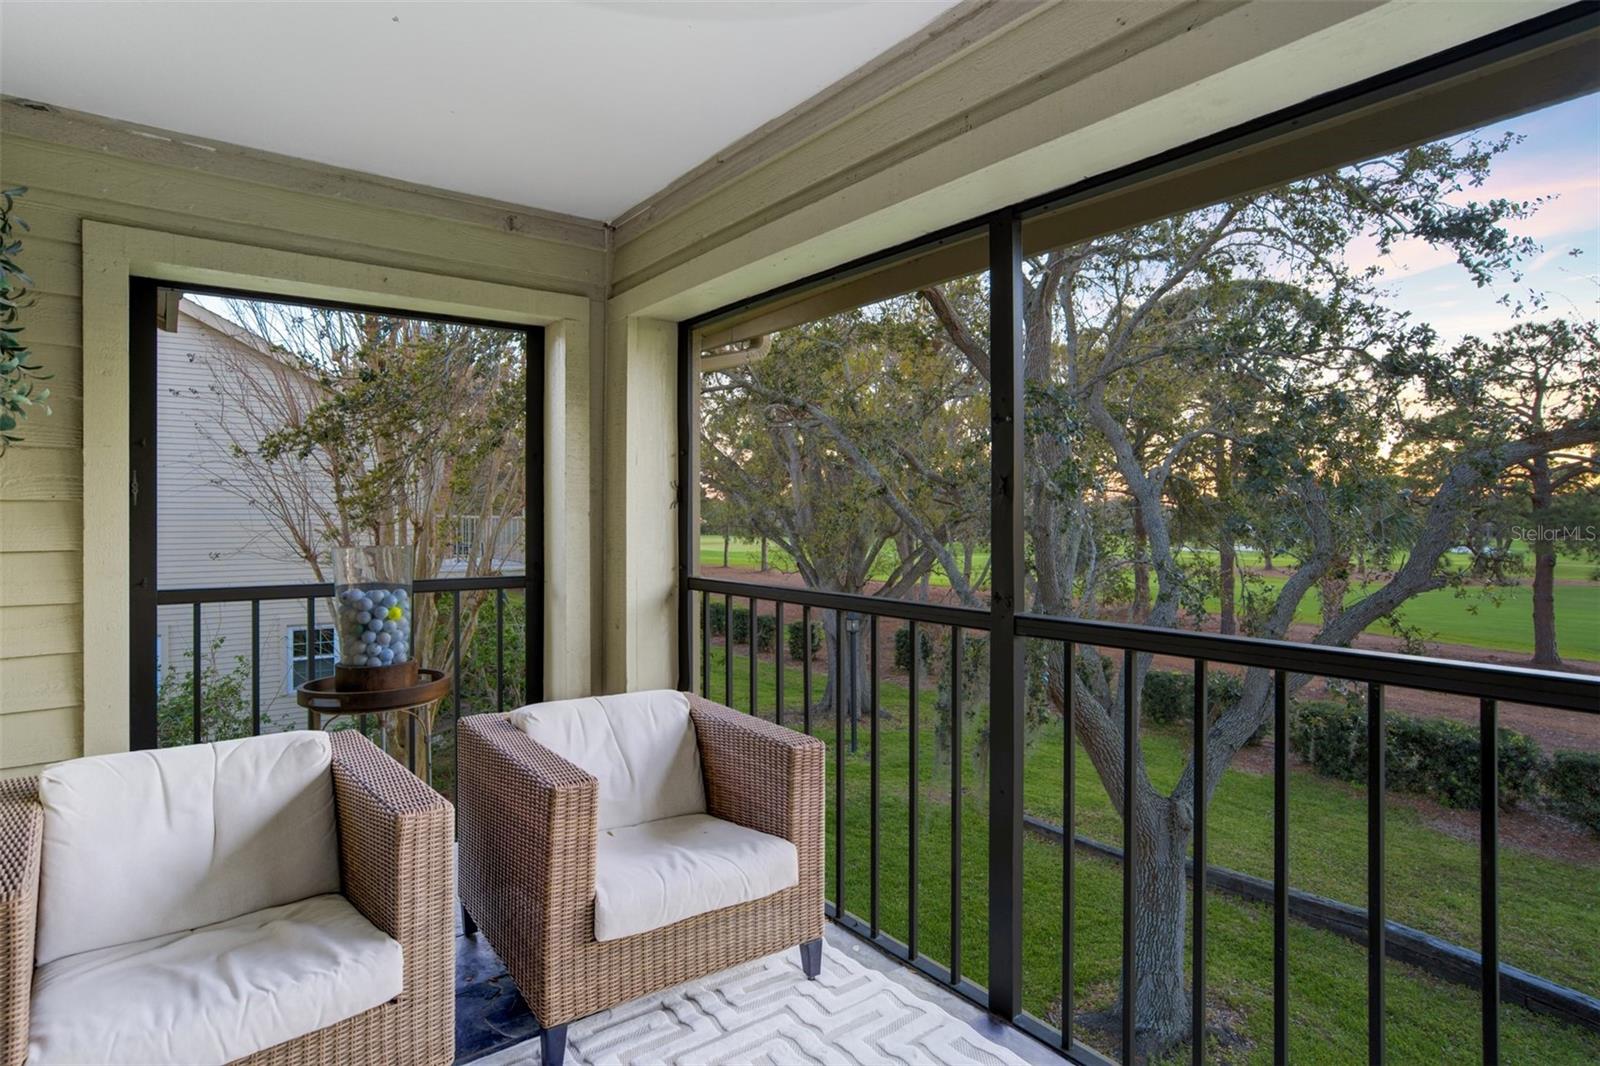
[902,648]
[766,629]
[1574,784]
[1432,756]
[794,639]
[717,619]
[766,626]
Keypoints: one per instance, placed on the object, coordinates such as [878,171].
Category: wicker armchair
[528,843]
[394,867]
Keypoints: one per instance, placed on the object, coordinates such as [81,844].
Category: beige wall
[80,170]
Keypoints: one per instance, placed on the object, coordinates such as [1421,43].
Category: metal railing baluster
[727,650]
[455,653]
[500,651]
[872,659]
[1069,797]
[255,668]
[705,644]
[914,780]
[955,805]
[839,678]
[805,667]
[1280,867]
[777,661]
[1130,862]
[1202,726]
[197,668]
[1489,873]
[1375,911]
[750,636]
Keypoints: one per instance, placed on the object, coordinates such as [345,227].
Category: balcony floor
[491,1018]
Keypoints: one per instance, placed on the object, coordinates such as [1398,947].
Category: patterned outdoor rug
[766,1012]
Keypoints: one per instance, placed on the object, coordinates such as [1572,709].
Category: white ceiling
[585,108]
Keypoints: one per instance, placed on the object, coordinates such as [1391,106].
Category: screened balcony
[942,533]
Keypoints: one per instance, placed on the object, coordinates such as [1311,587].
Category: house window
[466,536]
[323,650]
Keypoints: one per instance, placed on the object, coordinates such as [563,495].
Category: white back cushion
[639,746]
[145,843]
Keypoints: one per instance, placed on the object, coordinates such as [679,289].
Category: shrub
[1168,695]
[717,620]
[902,648]
[1432,756]
[795,639]
[1574,782]
[766,631]
[741,625]
[224,697]
[1331,736]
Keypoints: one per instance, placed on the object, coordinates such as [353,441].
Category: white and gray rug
[766,1012]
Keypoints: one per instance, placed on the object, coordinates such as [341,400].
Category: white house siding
[207,535]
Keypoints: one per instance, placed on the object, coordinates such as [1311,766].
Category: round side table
[322,701]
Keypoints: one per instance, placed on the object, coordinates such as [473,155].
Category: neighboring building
[208,535]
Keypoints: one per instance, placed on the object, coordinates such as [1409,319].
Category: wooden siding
[78,169]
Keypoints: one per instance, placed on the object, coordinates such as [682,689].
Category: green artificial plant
[19,375]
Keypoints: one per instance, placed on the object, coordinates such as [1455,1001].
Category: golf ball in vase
[374,625]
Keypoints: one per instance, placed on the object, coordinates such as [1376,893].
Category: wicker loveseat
[277,899]
[669,838]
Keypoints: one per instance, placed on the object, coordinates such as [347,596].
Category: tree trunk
[1226,579]
[1545,650]
[1226,582]
[763,555]
[1141,566]
[1332,588]
[725,540]
[1161,1000]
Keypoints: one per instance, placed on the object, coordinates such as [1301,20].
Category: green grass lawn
[1498,619]
[746,555]
[1550,923]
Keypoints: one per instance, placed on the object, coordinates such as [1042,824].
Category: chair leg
[553,1046]
[811,958]
[468,926]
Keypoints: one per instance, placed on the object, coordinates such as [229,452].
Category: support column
[1006,678]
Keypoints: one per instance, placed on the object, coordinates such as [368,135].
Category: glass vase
[372,603]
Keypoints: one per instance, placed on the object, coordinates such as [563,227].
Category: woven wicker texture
[527,861]
[21,843]
[395,840]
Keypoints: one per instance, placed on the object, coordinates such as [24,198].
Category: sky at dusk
[1558,157]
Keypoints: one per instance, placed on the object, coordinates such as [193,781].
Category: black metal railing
[311,592]
[1489,685]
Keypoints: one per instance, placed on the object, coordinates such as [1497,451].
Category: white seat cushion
[651,875]
[640,747]
[145,843]
[216,994]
